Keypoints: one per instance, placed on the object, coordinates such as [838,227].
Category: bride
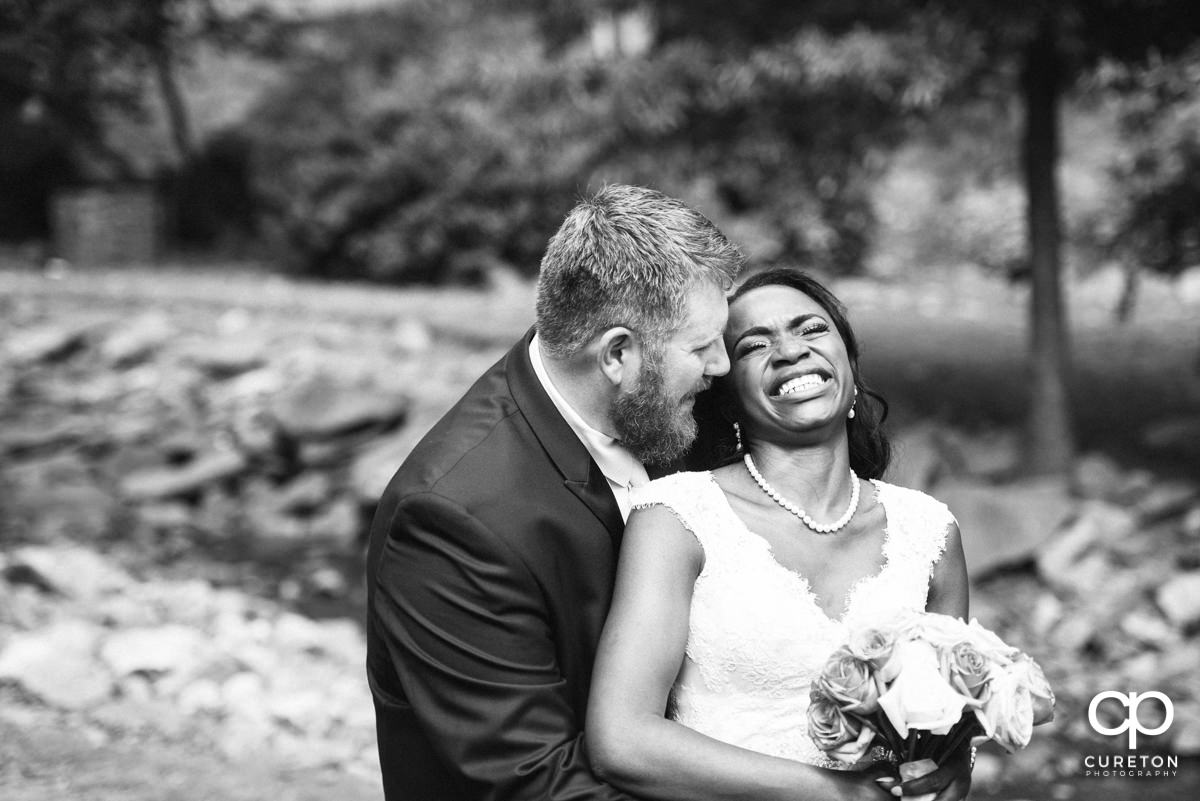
[735,585]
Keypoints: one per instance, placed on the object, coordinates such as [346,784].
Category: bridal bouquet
[921,687]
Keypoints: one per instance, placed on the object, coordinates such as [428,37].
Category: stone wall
[107,225]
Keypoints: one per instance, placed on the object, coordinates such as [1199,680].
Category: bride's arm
[630,741]
[948,589]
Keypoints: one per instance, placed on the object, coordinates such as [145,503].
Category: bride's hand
[951,781]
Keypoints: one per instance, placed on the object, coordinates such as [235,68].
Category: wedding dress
[757,637]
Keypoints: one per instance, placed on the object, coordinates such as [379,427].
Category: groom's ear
[619,354]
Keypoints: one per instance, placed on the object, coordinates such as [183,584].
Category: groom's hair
[627,256]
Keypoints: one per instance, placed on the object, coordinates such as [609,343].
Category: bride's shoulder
[675,481]
[677,490]
[914,502]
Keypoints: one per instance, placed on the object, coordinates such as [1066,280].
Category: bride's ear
[619,354]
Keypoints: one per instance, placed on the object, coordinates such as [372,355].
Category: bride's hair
[870,451]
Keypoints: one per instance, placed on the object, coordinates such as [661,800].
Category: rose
[988,643]
[966,669]
[920,697]
[835,732]
[940,631]
[1007,714]
[848,681]
[875,646]
[1029,675]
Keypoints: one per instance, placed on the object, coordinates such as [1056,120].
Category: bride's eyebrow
[762,330]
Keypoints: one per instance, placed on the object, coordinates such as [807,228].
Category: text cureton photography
[1131,765]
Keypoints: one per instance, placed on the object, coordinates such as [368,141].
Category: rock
[412,337]
[256,433]
[170,648]
[45,344]
[917,462]
[1095,475]
[992,454]
[137,339]
[375,464]
[1185,731]
[203,695]
[71,571]
[164,515]
[140,717]
[306,493]
[325,406]
[327,581]
[82,512]
[167,482]
[1179,599]
[331,638]
[23,436]
[1191,523]
[338,525]
[1072,559]
[988,772]
[58,665]
[1149,628]
[227,357]
[1167,499]
[1179,435]
[1047,613]
[1002,525]
[305,709]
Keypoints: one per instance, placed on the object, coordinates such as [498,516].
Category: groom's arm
[468,641]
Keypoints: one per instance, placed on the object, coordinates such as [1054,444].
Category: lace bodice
[757,637]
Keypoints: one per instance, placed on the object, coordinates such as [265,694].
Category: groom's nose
[718,363]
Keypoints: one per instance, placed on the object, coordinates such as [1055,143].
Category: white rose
[1009,711]
[988,643]
[920,697]
[941,631]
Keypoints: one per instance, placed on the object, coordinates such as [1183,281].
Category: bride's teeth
[802,382]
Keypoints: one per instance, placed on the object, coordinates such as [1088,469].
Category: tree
[1052,43]
[65,63]
[1045,45]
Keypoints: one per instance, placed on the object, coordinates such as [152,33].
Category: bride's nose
[790,349]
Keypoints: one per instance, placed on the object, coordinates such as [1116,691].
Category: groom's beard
[655,427]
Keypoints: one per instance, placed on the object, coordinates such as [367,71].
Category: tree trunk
[177,115]
[1050,445]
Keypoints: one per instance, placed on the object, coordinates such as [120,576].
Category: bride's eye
[747,348]
[814,327]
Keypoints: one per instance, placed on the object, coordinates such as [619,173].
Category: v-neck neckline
[769,552]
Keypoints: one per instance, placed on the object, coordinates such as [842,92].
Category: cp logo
[1132,723]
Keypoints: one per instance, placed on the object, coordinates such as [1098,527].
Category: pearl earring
[737,433]
[850,415]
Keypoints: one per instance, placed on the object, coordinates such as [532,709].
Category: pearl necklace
[834,527]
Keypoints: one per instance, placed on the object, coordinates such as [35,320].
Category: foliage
[448,139]
[67,67]
[1160,173]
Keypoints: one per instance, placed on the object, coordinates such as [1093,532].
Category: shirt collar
[614,460]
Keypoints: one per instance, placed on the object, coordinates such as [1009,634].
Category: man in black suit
[494,548]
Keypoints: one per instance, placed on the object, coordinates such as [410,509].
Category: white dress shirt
[619,466]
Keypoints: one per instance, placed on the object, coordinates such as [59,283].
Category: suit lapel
[580,473]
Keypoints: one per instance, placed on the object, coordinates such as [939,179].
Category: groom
[494,547]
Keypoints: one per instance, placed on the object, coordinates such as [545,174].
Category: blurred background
[251,250]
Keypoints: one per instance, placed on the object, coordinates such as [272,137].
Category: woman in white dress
[735,585]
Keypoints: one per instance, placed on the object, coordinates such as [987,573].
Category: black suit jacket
[490,571]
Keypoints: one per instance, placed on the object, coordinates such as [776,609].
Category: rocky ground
[188,461]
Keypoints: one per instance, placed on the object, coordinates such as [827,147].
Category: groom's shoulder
[476,433]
